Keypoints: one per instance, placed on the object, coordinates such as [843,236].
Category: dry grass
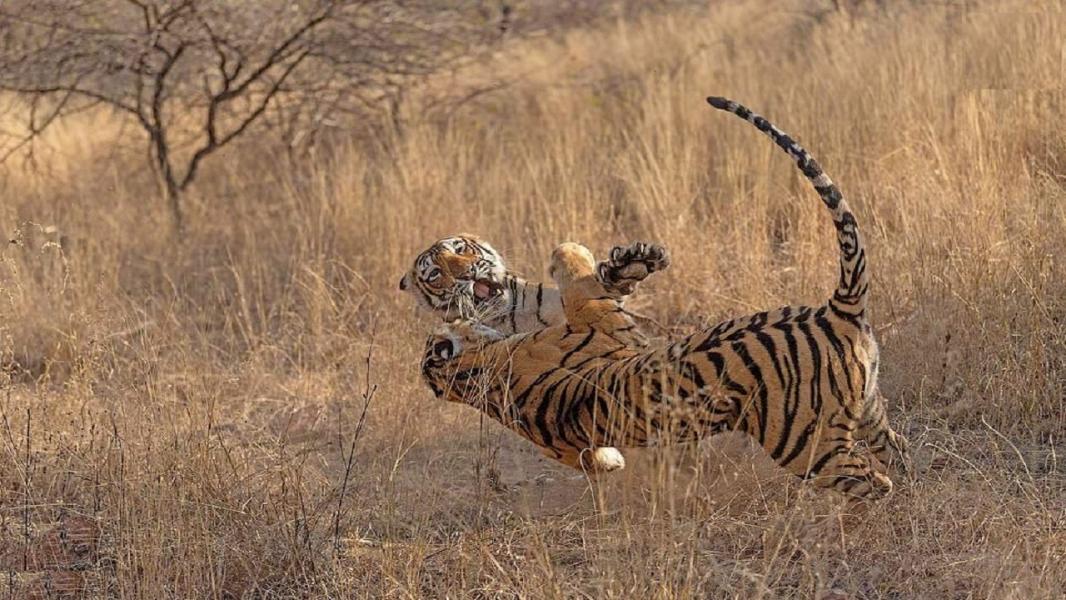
[176,420]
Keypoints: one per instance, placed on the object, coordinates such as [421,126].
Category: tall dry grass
[180,420]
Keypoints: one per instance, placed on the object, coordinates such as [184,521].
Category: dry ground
[177,419]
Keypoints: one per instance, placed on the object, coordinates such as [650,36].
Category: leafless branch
[196,75]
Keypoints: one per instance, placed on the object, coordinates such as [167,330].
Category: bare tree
[197,74]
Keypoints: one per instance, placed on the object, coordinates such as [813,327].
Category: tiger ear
[403,282]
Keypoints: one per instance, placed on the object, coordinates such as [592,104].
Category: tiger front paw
[450,340]
[474,332]
[627,266]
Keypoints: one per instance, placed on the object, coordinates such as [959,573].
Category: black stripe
[601,417]
[719,366]
[838,346]
[842,315]
[520,401]
[595,357]
[525,293]
[788,383]
[514,304]
[816,377]
[540,419]
[540,303]
[563,424]
[756,372]
[801,444]
[771,350]
[579,347]
[692,371]
[821,462]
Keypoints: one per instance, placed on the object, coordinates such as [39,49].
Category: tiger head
[457,277]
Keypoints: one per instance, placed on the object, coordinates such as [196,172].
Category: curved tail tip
[718,102]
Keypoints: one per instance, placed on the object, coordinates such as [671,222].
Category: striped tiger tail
[853,286]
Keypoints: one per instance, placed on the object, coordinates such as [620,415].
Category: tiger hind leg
[835,462]
[888,446]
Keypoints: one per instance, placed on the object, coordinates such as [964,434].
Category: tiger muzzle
[486,289]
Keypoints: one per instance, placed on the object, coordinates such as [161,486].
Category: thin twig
[1017,452]
[368,394]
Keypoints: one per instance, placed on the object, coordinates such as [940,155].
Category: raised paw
[627,266]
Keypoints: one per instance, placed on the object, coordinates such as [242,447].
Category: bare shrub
[196,75]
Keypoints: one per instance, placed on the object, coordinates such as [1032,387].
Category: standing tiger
[799,380]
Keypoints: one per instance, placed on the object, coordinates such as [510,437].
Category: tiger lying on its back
[800,380]
[464,277]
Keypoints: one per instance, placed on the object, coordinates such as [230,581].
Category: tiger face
[457,277]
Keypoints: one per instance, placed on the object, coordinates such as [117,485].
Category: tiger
[801,381]
[464,277]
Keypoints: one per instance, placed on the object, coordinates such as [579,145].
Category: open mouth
[486,289]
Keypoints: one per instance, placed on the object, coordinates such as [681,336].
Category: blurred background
[208,378]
